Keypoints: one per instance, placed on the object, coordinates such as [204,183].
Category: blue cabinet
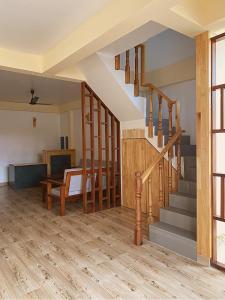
[26,175]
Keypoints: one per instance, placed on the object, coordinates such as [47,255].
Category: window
[218,149]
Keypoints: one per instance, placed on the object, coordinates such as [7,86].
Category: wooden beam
[118,181]
[107,158]
[203,143]
[100,154]
[113,182]
[84,177]
[92,143]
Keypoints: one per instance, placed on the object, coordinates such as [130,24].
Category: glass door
[218,149]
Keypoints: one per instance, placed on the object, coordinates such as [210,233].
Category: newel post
[138,238]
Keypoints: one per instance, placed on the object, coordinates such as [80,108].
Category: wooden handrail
[141,179]
[159,92]
[173,140]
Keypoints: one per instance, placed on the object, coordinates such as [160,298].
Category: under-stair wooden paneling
[137,155]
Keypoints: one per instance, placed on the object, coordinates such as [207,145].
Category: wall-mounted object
[67,142]
[62,143]
[34,122]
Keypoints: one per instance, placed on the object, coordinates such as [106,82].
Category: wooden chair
[70,188]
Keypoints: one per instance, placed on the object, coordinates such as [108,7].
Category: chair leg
[49,202]
[48,196]
[62,206]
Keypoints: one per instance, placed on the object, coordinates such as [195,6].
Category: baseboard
[203,260]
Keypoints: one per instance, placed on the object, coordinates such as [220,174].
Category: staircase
[176,228]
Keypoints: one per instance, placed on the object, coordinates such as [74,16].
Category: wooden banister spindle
[138,238]
[161,185]
[160,129]
[178,159]
[136,80]
[170,170]
[142,64]
[117,62]
[178,151]
[150,121]
[177,116]
[149,207]
[170,152]
[170,109]
[127,67]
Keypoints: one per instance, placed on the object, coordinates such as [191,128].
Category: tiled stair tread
[184,194]
[170,229]
[179,211]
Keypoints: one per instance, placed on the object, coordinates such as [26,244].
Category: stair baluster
[161,184]
[150,121]
[138,237]
[178,160]
[127,67]
[117,62]
[160,130]
[142,64]
[170,170]
[178,141]
[149,202]
[136,77]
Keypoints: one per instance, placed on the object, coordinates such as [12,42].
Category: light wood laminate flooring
[45,256]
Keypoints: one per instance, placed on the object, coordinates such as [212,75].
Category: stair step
[178,217]
[190,173]
[187,187]
[188,150]
[176,239]
[183,201]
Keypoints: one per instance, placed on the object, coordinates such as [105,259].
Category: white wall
[64,124]
[166,48]
[184,92]
[20,142]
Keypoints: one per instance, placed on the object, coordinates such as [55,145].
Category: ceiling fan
[34,99]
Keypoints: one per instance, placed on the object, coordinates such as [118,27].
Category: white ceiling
[34,26]
[15,87]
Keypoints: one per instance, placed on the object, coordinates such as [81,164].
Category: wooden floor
[44,256]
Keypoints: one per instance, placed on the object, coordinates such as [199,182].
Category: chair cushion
[76,182]
[55,191]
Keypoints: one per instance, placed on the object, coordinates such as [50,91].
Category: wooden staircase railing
[142,178]
[174,135]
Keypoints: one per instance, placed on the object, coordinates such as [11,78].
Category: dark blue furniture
[26,175]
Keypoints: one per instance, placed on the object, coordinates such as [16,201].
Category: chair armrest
[54,181]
